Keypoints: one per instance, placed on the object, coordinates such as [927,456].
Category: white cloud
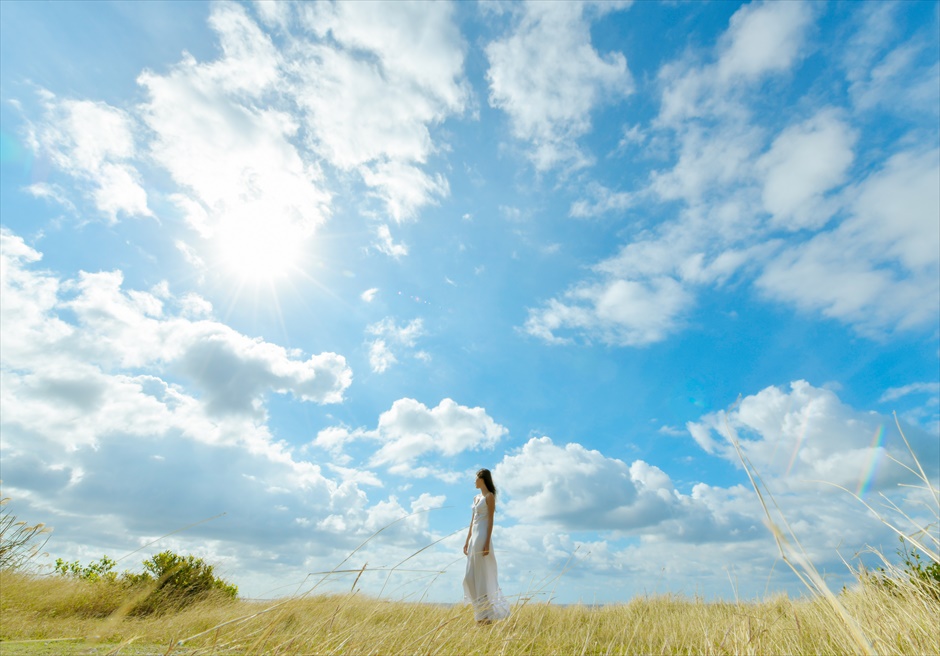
[380,357]
[403,187]
[412,435]
[389,336]
[27,323]
[53,192]
[879,269]
[803,163]
[548,78]
[93,142]
[369,295]
[194,306]
[896,393]
[118,329]
[108,394]
[409,80]
[776,206]
[891,74]
[385,243]
[621,312]
[235,161]
[604,201]
[798,438]
[580,488]
[241,164]
[273,12]
[763,38]
[415,42]
[671,430]
[896,209]
[711,162]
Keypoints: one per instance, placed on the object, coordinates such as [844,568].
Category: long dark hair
[487,480]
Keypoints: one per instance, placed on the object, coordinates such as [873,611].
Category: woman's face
[480,484]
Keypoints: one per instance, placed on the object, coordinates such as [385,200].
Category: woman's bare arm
[466,545]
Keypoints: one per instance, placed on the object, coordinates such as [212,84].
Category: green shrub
[186,576]
[103,570]
[912,572]
[169,581]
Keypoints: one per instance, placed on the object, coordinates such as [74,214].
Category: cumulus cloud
[116,329]
[411,436]
[577,487]
[621,312]
[806,435]
[548,78]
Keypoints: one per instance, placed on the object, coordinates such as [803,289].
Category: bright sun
[257,251]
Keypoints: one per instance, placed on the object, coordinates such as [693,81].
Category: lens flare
[868,473]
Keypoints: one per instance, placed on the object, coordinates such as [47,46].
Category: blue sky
[312,265]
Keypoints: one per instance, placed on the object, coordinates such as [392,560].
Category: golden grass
[903,621]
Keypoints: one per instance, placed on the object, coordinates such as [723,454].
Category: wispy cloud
[896,393]
[95,143]
[385,244]
[603,201]
[391,338]
[547,77]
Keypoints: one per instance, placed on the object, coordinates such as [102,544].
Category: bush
[94,572]
[20,543]
[169,581]
[185,577]
[911,572]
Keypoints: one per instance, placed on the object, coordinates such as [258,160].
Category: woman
[480,585]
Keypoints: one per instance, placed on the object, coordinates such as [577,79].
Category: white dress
[480,584]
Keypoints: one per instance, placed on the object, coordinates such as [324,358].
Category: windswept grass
[20,543]
[899,621]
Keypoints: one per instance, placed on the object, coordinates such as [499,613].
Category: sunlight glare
[261,251]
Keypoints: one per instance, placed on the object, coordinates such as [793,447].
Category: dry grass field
[55,615]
